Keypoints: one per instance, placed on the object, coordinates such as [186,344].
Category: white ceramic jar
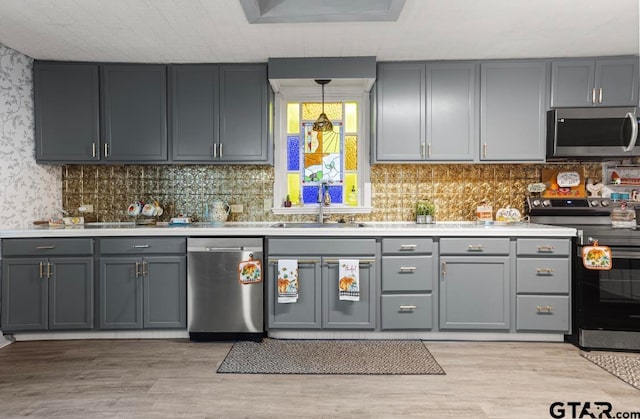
[218,211]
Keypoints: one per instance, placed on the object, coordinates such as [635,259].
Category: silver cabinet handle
[547,271]
[429,150]
[484,150]
[544,309]
[407,268]
[220,150]
[145,268]
[45,247]
[215,150]
[408,246]
[600,96]
[545,249]
[475,248]
[106,149]
[422,150]
[140,246]
[408,308]
[634,132]
[49,265]
[362,261]
[137,268]
[93,149]
[443,269]
[42,269]
[593,95]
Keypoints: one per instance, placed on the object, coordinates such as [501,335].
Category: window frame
[311,94]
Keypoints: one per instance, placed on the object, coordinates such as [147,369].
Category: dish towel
[287,281]
[349,282]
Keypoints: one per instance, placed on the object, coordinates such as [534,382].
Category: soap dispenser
[352,200]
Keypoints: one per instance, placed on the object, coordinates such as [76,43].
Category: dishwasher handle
[223,249]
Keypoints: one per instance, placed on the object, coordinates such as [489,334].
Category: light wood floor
[177,378]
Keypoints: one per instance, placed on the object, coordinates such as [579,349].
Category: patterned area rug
[378,357]
[625,367]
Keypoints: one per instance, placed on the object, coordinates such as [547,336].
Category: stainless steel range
[606,303]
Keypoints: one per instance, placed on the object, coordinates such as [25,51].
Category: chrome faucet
[322,202]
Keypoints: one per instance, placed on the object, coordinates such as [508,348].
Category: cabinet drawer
[142,245]
[543,312]
[322,247]
[407,245]
[47,246]
[543,275]
[474,246]
[407,273]
[406,311]
[543,247]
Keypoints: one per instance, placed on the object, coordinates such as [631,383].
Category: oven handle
[634,132]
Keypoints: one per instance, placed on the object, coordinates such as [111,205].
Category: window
[305,158]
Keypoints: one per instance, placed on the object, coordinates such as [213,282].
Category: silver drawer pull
[476,247]
[547,271]
[408,246]
[361,261]
[544,309]
[411,308]
[45,247]
[407,268]
[140,246]
[545,249]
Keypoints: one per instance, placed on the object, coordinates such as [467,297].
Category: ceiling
[176,31]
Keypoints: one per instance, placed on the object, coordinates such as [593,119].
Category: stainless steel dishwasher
[220,307]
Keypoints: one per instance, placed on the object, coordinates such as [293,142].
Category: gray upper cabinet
[600,82]
[513,110]
[66,112]
[134,112]
[219,113]
[425,112]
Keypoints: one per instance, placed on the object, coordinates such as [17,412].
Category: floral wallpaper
[28,191]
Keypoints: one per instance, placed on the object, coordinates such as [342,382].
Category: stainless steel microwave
[592,133]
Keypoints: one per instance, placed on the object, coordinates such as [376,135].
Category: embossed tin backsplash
[456,189]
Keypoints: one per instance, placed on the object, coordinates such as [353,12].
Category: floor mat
[625,367]
[382,357]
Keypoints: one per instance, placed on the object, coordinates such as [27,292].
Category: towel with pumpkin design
[349,279]
[287,281]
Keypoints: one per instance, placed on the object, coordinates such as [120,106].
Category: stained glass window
[315,157]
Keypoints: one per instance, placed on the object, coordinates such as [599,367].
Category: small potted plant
[424,212]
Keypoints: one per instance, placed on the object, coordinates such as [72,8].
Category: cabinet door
[618,79]
[66,112]
[305,313]
[71,293]
[194,112]
[572,83]
[165,292]
[512,111]
[400,99]
[451,112]
[134,110]
[244,131]
[120,293]
[339,314]
[474,293]
[24,294]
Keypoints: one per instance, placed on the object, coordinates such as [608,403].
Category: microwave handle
[634,132]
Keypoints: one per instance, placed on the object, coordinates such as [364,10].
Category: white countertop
[371,229]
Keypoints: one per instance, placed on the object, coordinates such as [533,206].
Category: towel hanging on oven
[597,257]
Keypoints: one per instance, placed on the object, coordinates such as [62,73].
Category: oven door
[610,300]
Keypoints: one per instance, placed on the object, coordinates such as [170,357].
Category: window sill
[332,209]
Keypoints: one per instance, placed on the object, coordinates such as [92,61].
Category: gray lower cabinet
[425,112]
[134,112]
[543,284]
[142,283]
[594,82]
[318,305]
[43,289]
[513,104]
[474,286]
[66,106]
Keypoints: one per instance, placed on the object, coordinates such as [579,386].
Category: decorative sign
[557,181]
[536,187]
[568,179]
[250,271]
[596,257]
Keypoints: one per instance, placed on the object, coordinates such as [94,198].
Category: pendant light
[322,124]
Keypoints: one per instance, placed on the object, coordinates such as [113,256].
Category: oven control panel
[559,206]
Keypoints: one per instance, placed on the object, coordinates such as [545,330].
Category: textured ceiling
[218,31]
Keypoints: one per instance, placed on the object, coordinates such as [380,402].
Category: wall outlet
[237,208]
[266,204]
[85,208]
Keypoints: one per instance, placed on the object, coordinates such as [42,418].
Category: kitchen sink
[319,225]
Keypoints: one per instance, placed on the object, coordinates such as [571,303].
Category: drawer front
[142,245]
[47,246]
[543,312]
[543,275]
[474,246]
[406,246]
[406,311]
[407,273]
[544,247]
[322,247]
